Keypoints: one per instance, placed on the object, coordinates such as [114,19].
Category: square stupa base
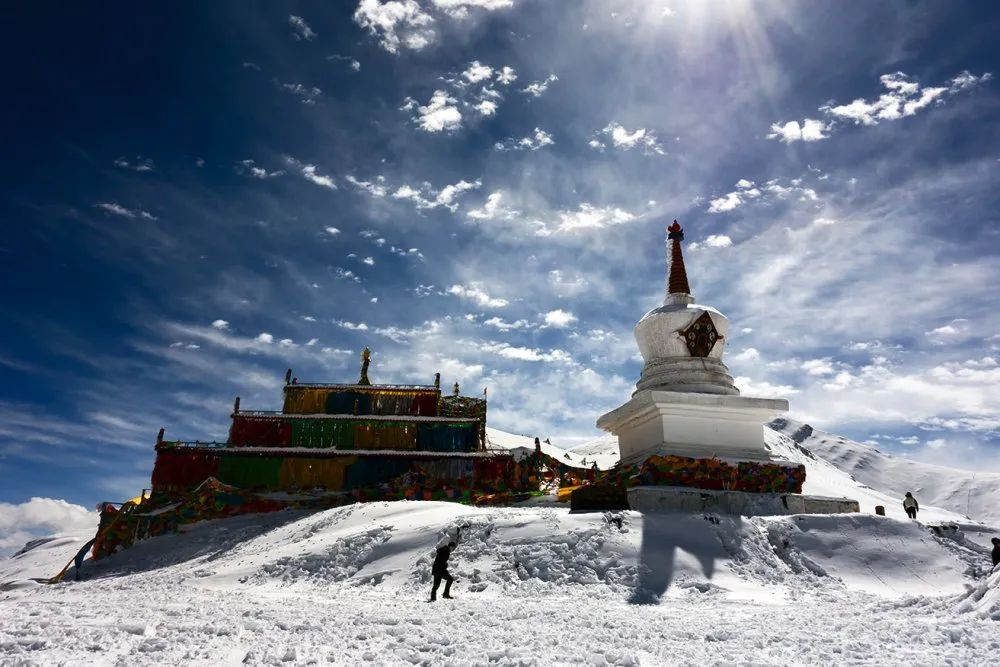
[649,499]
[692,425]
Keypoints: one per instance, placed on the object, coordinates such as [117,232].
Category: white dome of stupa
[682,342]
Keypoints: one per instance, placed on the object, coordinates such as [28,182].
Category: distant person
[911,505]
[996,551]
[440,571]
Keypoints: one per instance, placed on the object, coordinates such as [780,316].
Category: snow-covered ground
[536,585]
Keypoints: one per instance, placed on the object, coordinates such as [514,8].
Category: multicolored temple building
[341,438]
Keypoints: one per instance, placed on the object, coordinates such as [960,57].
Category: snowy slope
[526,444]
[976,494]
[535,586]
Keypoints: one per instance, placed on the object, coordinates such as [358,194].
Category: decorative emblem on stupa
[700,337]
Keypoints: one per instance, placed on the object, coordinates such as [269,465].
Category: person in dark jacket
[440,571]
[910,505]
[996,551]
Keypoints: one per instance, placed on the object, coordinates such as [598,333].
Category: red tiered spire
[677,283]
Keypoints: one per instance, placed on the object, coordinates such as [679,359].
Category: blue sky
[198,196]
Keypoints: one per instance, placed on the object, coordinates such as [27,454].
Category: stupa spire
[678,289]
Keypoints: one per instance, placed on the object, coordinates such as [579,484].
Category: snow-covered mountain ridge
[964,492]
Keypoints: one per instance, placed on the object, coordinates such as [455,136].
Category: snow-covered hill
[967,493]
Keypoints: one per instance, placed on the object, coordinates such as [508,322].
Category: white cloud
[810,130]
[587,216]
[40,517]
[625,140]
[351,326]
[302,29]
[221,325]
[370,261]
[265,338]
[538,139]
[355,65]
[559,318]
[375,188]
[762,389]
[440,114]
[768,192]
[538,88]
[446,196]
[459,9]
[428,198]
[957,329]
[308,172]
[250,168]
[115,208]
[346,274]
[475,292]
[725,203]
[493,209]
[527,354]
[396,23]
[399,335]
[818,366]
[332,231]
[966,80]
[713,241]
[748,355]
[503,325]
[904,97]
[141,164]
[477,72]
[486,107]
[307,94]
[506,76]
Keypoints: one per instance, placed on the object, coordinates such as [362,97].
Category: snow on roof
[368,387]
[314,452]
[268,414]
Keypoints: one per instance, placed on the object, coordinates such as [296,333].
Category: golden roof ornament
[366,358]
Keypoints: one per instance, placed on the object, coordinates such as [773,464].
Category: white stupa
[685,403]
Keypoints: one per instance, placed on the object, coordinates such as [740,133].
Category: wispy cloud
[140,164]
[904,97]
[114,208]
[311,174]
[539,88]
[622,139]
[539,138]
[306,94]
[250,168]
[301,29]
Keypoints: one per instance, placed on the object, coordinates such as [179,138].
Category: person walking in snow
[910,505]
[996,551]
[440,571]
